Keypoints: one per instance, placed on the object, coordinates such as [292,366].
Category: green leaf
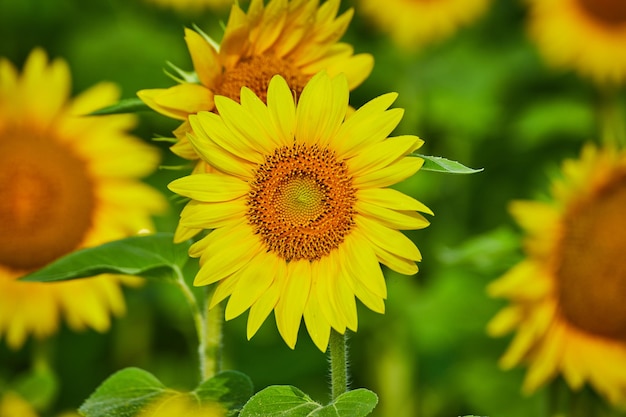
[230,388]
[439,164]
[288,401]
[279,401]
[150,256]
[124,394]
[357,403]
[126,105]
[133,391]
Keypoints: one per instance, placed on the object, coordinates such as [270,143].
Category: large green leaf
[439,164]
[232,389]
[288,401]
[124,394]
[150,256]
[127,105]
[133,391]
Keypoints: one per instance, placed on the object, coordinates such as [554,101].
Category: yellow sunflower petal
[390,240]
[316,323]
[282,108]
[392,199]
[368,125]
[209,130]
[205,59]
[270,27]
[381,154]
[211,215]
[392,174]
[209,188]
[252,283]
[235,37]
[223,261]
[327,270]
[291,304]
[242,125]
[321,109]
[363,266]
[267,302]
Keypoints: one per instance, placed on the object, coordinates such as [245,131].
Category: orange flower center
[592,269]
[610,12]
[46,201]
[301,202]
[255,72]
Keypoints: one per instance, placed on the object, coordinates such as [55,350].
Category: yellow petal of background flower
[205,59]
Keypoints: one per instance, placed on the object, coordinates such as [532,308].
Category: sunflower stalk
[212,331]
[208,329]
[338,364]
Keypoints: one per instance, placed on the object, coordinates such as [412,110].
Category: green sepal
[439,164]
[152,256]
[132,391]
[282,401]
[181,75]
[126,105]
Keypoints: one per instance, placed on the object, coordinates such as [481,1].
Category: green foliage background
[483,97]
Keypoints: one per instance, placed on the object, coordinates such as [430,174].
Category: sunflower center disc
[592,270]
[301,202]
[256,72]
[610,12]
[46,201]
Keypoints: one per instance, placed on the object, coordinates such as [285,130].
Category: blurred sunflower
[567,296]
[178,404]
[298,204]
[415,23]
[585,35]
[13,405]
[295,39]
[193,5]
[66,182]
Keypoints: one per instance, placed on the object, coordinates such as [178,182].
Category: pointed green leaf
[439,164]
[124,394]
[230,388]
[279,401]
[288,401]
[357,403]
[150,256]
[126,105]
[133,391]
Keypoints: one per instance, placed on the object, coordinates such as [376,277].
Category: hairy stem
[338,364]
[208,330]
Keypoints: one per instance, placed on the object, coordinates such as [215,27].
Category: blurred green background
[482,97]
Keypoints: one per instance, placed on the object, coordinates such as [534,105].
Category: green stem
[338,364]
[208,329]
[211,354]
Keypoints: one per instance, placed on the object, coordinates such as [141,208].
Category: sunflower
[66,182]
[176,403]
[298,204]
[567,296]
[415,23]
[585,35]
[13,405]
[295,39]
[193,5]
